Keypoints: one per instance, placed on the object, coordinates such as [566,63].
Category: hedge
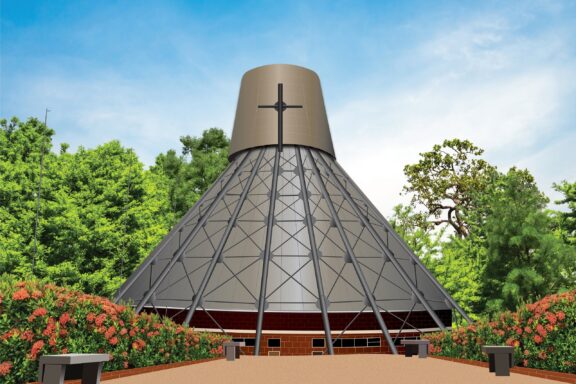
[543,335]
[38,318]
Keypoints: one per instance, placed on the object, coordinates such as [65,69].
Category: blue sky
[398,76]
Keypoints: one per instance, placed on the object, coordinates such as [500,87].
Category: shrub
[543,335]
[38,318]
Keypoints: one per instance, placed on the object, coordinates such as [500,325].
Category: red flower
[21,294]
[541,331]
[50,327]
[528,330]
[551,318]
[538,339]
[125,364]
[110,332]
[561,315]
[525,362]
[123,331]
[5,368]
[100,319]
[27,335]
[90,317]
[39,312]
[36,347]
[64,318]
[113,340]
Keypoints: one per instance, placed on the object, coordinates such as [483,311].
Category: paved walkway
[328,369]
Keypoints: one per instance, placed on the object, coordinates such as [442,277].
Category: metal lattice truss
[290,232]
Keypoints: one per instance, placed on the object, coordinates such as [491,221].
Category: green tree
[524,259]
[189,175]
[417,233]
[444,180]
[20,150]
[451,261]
[105,217]
[567,220]
[100,211]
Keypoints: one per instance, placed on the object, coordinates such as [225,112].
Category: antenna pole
[39,193]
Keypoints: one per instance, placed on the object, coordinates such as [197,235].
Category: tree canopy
[506,247]
[444,180]
[101,211]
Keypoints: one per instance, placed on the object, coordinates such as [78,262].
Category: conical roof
[285,231]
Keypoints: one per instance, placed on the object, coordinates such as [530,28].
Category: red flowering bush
[543,335]
[38,319]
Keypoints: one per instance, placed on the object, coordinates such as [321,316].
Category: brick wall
[301,344]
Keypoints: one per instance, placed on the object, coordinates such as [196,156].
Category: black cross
[280,106]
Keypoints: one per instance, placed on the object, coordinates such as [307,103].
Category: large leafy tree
[445,180]
[21,145]
[525,260]
[100,211]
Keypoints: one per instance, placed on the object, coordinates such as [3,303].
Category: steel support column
[350,251]
[314,251]
[266,259]
[167,238]
[218,252]
[403,244]
[346,195]
[190,236]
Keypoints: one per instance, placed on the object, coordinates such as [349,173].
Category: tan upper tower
[256,127]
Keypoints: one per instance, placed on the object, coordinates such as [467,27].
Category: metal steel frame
[329,215]
[369,296]
[265,261]
[175,230]
[190,236]
[314,251]
[346,195]
[404,246]
[218,252]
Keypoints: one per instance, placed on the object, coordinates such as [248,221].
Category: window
[273,353]
[317,343]
[374,342]
[347,343]
[315,353]
[273,343]
[250,342]
[355,342]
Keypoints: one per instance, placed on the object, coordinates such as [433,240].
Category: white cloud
[483,84]
[147,116]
